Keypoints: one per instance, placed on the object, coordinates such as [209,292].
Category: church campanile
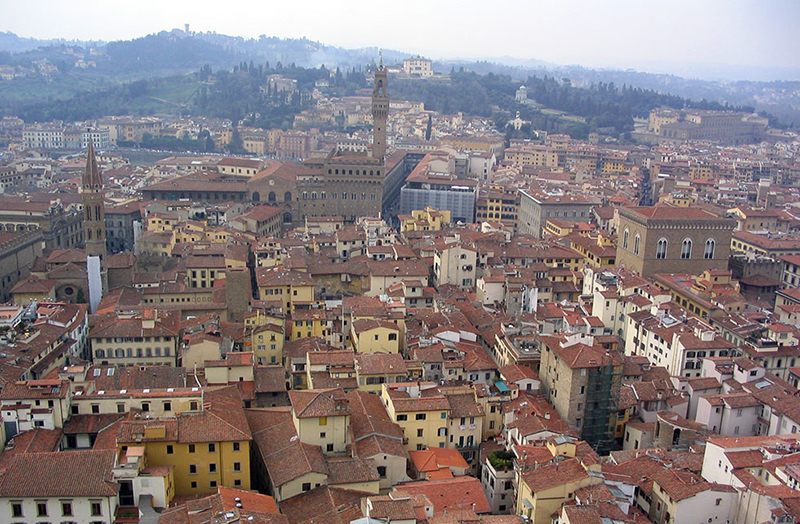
[380,111]
[94,217]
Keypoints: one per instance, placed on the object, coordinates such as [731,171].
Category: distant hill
[59,69]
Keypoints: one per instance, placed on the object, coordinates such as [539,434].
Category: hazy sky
[642,34]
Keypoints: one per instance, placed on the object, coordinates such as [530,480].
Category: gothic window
[625,239]
[271,197]
[709,251]
[97,213]
[637,243]
[88,234]
[287,197]
[686,248]
[661,248]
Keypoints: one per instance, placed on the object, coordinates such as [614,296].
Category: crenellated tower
[380,111]
[94,217]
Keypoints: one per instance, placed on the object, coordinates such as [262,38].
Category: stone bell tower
[380,111]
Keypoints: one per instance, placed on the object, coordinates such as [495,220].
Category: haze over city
[737,39]
[254,272]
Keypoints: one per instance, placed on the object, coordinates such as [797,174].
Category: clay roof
[319,403]
[351,470]
[60,474]
[553,475]
[458,493]
[284,456]
[324,505]
[435,458]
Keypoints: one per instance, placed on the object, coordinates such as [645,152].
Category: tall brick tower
[380,111]
[94,218]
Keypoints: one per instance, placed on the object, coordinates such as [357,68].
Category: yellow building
[544,489]
[287,285]
[371,336]
[266,342]
[311,323]
[423,420]
[206,449]
[322,418]
[428,219]
[235,367]
[599,251]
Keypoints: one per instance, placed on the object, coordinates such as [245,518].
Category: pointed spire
[91,177]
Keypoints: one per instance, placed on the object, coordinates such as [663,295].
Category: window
[237,482]
[41,509]
[686,248]
[191,448]
[709,251]
[625,239]
[392,336]
[637,243]
[237,466]
[16,509]
[66,509]
[329,448]
[420,416]
[306,486]
[322,434]
[382,471]
[95,408]
[145,406]
[170,449]
[236,446]
[121,408]
[194,484]
[323,421]
[212,447]
[420,432]
[402,418]
[444,414]
[97,509]
[212,484]
[212,468]
[192,469]
[661,248]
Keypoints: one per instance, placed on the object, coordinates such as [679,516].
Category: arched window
[256,196]
[661,248]
[100,353]
[271,197]
[686,248]
[637,243]
[625,239]
[711,244]
[287,197]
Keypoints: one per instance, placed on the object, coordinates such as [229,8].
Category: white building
[75,486]
[418,66]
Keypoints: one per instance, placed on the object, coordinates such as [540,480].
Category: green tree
[237,144]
